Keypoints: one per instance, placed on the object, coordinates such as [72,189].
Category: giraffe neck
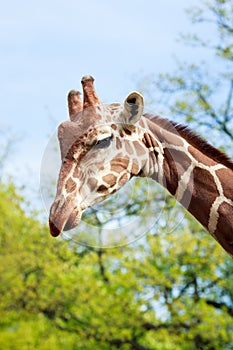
[194,176]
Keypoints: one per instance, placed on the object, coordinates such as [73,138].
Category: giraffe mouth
[63,217]
[57,225]
[73,220]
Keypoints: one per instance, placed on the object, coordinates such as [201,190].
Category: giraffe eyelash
[104,142]
[103,136]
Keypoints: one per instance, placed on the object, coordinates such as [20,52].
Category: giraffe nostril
[54,229]
[102,188]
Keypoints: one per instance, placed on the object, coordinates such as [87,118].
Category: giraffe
[103,147]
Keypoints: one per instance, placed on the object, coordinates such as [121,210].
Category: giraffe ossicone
[103,147]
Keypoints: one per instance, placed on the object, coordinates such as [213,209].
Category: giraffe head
[101,149]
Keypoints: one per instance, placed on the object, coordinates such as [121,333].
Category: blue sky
[47,46]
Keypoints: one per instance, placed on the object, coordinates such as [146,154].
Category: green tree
[7,143]
[172,289]
[153,294]
[201,93]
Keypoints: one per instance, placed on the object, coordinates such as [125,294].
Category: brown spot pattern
[201,157]
[70,185]
[135,168]
[128,147]
[170,171]
[127,131]
[123,179]
[110,179]
[118,164]
[102,188]
[173,139]
[224,175]
[92,183]
[76,172]
[206,196]
[182,161]
[147,140]
[140,150]
[224,230]
[118,143]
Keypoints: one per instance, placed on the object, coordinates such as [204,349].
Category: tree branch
[134,345]
[220,306]
[150,326]
[228,103]
[101,265]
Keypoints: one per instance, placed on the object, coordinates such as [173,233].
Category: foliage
[167,291]
[173,289]
[7,143]
[201,93]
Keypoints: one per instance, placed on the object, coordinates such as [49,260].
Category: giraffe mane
[193,139]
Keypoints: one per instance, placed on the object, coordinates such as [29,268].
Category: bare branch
[228,103]
[221,306]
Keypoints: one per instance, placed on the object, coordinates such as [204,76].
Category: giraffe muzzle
[64,216]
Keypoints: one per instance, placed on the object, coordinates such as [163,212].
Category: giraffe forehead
[103,131]
[115,108]
[111,112]
[100,120]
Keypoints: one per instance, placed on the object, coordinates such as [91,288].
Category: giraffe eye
[104,143]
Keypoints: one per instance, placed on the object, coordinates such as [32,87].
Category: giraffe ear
[133,107]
